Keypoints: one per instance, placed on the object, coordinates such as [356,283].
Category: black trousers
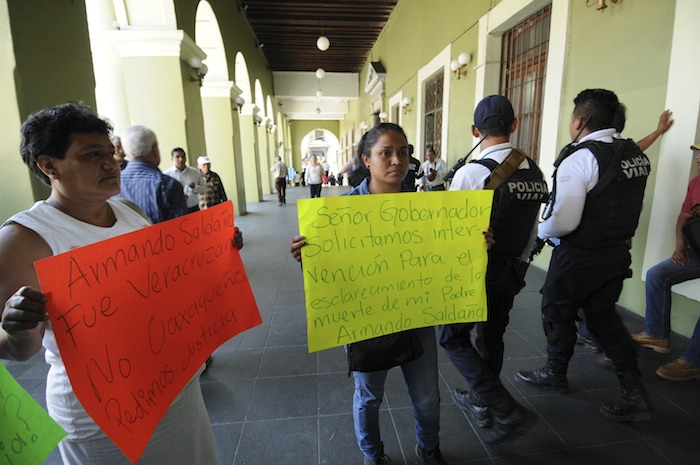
[281,186]
[590,280]
[481,365]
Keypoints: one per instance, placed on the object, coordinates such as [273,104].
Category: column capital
[156,43]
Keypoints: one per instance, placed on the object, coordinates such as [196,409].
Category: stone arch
[325,145]
[241,78]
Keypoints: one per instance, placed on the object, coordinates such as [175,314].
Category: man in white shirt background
[188,176]
[434,170]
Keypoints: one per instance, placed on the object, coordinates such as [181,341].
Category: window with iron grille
[523,69]
[433,112]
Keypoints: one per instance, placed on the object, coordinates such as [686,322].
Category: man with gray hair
[158,195]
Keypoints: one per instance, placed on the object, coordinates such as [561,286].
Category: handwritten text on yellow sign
[379,264]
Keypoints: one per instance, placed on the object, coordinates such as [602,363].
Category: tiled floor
[273,403]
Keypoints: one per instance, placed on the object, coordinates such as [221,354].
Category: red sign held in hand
[136,316]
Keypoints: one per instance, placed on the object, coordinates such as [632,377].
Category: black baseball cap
[494,111]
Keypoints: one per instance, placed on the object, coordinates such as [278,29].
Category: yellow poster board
[383,263]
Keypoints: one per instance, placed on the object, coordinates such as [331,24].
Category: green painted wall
[220,147]
[14,177]
[53,64]
[416,32]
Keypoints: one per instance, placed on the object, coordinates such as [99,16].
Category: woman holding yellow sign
[383,157]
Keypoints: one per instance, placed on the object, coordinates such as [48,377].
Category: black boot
[507,426]
[550,377]
[634,403]
[470,403]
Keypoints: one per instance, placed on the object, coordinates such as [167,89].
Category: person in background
[382,155]
[188,176]
[414,171]
[68,148]
[434,170]
[355,177]
[683,265]
[326,172]
[159,196]
[279,171]
[119,152]
[594,210]
[340,179]
[214,193]
[313,176]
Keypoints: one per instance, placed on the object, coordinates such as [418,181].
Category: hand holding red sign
[136,316]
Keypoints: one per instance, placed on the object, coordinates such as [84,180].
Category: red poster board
[136,316]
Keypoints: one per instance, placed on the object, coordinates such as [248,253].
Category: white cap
[203,160]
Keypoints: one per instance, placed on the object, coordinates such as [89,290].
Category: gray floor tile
[630,452]
[336,441]
[282,441]
[287,361]
[293,396]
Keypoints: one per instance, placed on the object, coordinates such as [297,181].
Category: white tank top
[63,233]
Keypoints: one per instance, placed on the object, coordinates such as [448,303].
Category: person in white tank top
[68,147]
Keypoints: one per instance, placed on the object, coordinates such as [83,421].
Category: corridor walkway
[273,403]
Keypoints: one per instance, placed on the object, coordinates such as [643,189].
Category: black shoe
[383,459]
[544,378]
[588,344]
[471,404]
[634,403]
[433,457]
[508,427]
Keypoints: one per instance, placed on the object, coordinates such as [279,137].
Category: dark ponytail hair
[364,147]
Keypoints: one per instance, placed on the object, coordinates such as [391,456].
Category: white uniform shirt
[439,166]
[576,176]
[185,177]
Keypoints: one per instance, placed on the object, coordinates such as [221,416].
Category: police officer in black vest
[519,192]
[596,201]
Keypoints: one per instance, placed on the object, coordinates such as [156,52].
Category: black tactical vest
[516,203]
[611,213]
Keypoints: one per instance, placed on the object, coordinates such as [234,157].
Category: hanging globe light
[323,43]
[320,73]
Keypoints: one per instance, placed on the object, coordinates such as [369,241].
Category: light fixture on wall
[601,4]
[257,120]
[199,68]
[238,103]
[459,66]
[406,104]
[383,116]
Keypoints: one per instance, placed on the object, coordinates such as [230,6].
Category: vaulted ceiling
[287,31]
